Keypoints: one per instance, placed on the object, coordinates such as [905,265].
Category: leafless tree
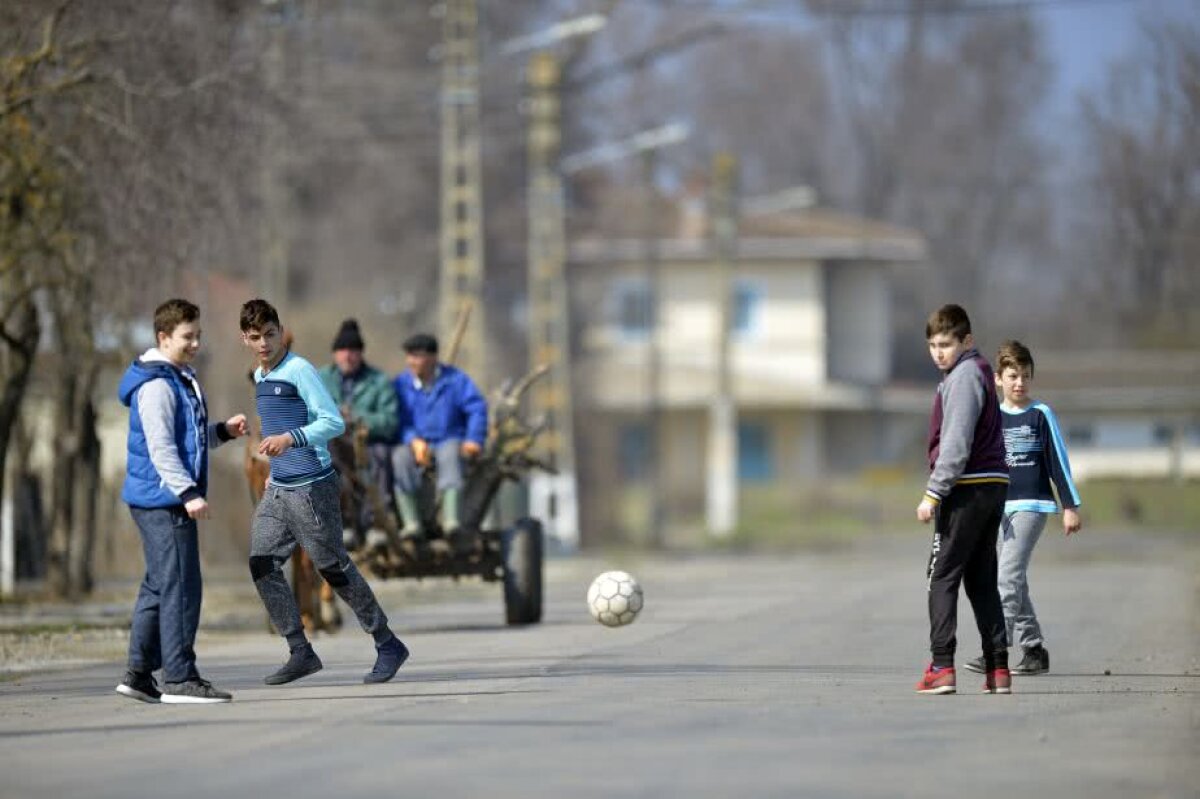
[118,159]
[1140,241]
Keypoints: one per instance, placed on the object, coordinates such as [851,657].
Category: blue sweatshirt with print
[1037,458]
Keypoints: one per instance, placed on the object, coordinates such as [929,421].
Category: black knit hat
[421,342]
[348,337]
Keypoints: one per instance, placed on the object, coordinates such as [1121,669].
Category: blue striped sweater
[1037,458]
[292,399]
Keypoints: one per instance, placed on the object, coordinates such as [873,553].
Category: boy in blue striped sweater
[1037,460]
[300,505]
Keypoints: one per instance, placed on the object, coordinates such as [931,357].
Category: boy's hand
[275,445]
[236,425]
[197,508]
[1071,521]
[470,449]
[925,511]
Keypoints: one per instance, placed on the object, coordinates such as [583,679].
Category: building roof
[812,234]
[1119,380]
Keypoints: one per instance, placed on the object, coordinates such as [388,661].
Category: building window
[1080,435]
[633,451]
[632,309]
[747,308]
[755,464]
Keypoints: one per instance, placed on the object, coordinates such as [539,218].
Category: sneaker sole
[945,689]
[997,690]
[133,693]
[974,668]
[176,699]
[1030,673]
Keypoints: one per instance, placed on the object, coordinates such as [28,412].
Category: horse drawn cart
[511,556]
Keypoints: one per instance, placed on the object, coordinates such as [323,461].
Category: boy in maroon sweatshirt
[964,498]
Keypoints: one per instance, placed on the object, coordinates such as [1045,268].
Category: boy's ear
[969,340]
[999,382]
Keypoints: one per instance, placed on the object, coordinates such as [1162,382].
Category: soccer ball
[614,599]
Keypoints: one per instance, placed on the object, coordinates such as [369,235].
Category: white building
[810,358]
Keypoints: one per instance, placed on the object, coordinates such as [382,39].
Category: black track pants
[964,551]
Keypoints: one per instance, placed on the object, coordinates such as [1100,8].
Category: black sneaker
[977,665]
[302,662]
[193,692]
[389,660]
[1036,661]
[140,685]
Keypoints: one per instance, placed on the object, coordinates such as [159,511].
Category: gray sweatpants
[1019,533]
[311,517]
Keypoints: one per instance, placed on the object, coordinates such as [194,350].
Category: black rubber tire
[522,548]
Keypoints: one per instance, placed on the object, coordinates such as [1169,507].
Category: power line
[879,8]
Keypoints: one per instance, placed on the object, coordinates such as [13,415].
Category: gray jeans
[1019,533]
[311,517]
[408,473]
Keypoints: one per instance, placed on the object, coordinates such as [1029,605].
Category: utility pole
[273,266]
[551,497]
[461,250]
[721,496]
[654,322]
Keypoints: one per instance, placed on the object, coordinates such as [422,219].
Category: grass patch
[1142,504]
[831,513]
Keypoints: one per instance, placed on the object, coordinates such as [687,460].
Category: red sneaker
[998,681]
[937,680]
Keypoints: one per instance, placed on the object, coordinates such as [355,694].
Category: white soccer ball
[614,599]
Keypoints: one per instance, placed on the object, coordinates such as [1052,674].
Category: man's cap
[421,342]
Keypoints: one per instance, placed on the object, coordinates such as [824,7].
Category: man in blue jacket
[443,420]
[166,479]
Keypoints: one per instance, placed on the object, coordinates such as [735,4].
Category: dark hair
[1013,355]
[257,314]
[173,313]
[421,342]
[950,319]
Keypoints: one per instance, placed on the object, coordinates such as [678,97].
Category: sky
[1084,37]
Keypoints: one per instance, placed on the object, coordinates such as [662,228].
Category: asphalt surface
[756,676]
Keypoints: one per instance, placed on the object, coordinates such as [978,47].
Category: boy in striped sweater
[300,505]
[1037,460]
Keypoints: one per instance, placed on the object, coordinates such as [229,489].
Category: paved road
[744,677]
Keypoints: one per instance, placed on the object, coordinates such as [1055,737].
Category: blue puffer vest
[143,486]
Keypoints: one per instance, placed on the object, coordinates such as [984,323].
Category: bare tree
[115,157]
[1143,131]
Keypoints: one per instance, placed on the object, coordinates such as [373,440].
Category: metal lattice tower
[552,497]
[461,257]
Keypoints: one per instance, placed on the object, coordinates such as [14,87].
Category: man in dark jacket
[364,395]
[443,419]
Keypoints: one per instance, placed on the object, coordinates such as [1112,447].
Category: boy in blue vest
[301,503]
[1037,459]
[166,477]
[964,498]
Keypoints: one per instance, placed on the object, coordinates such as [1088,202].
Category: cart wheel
[521,547]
